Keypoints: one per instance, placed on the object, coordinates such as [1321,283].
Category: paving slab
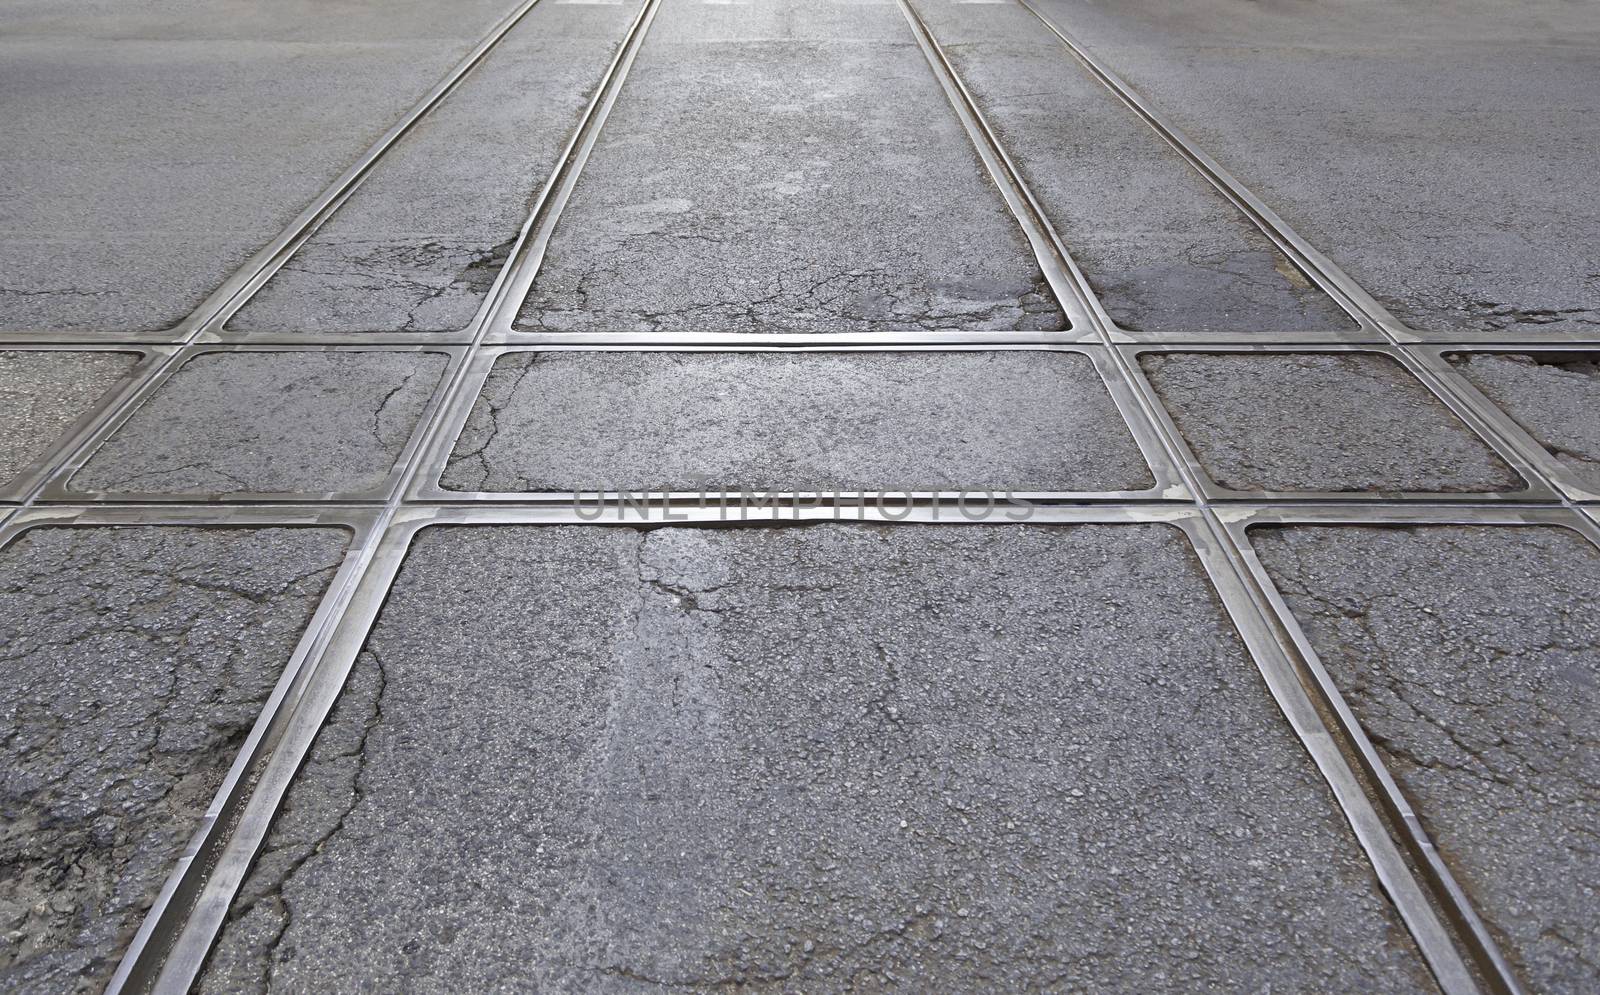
[269,422]
[1441,153]
[1555,397]
[1163,250]
[136,661]
[152,148]
[1013,757]
[418,246]
[43,392]
[583,421]
[1320,422]
[785,167]
[1472,657]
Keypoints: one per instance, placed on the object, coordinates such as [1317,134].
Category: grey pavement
[1320,422]
[790,166]
[1555,397]
[419,244]
[1470,656]
[1444,154]
[135,661]
[151,148]
[584,421]
[43,393]
[265,422]
[764,754]
[1162,248]
[970,779]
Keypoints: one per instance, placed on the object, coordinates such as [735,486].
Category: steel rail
[175,938]
[179,892]
[31,478]
[1396,805]
[171,949]
[1360,305]
[1444,383]
[91,430]
[1371,314]
[806,341]
[1234,582]
[316,686]
[499,311]
[237,290]
[1486,420]
[208,318]
[1458,341]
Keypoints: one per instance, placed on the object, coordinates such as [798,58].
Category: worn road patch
[135,661]
[1011,757]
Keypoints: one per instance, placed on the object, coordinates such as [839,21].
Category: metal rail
[1447,385]
[1429,368]
[73,449]
[173,943]
[176,936]
[1241,589]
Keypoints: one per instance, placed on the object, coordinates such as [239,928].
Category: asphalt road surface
[799,495]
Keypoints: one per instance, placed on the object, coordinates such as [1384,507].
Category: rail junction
[1028,561]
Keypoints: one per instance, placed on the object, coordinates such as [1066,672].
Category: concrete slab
[1472,658]
[575,421]
[152,148]
[1441,153]
[1555,397]
[44,392]
[418,246]
[830,758]
[1320,422]
[135,662]
[1164,251]
[265,422]
[785,167]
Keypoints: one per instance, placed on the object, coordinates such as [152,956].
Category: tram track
[168,955]
[1269,613]
[165,352]
[171,947]
[171,944]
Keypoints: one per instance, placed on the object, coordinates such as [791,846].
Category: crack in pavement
[1469,655]
[685,782]
[204,431]
[135,670]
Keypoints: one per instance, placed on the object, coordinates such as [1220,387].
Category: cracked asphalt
[785,167]
[1320,422]
[1092,741]
[1392,137]
[1469,654]
[136,660]
[690,785]
[585,421]
[1555,397]
[201,432]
